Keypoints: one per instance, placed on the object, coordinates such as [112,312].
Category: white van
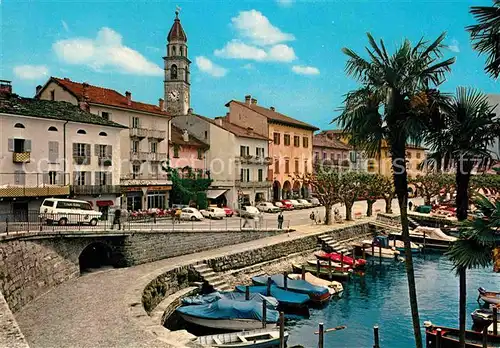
[68,211]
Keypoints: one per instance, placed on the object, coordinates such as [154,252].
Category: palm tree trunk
[398,149]
[462,306]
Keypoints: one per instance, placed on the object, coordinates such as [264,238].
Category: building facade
[494,100]
[329,152]
[358,159]
[187,153]
[290,149]
[55,149]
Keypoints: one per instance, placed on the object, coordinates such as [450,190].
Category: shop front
[146,197]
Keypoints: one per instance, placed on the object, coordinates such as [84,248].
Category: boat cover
[229,309]
[284,296]
[298,285]
[230,295]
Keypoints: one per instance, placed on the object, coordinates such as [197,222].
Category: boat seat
[216,340]
[242,338]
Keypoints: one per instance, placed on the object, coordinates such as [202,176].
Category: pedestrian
[117,219]
[261,220]
[312,217]
[245,217]
[410,205]
[280,220]
[206,288]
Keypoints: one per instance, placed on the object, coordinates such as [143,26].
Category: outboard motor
[481,290]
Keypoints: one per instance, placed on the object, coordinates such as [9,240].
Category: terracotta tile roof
[177,138]
[105,96]
[322,140]
[384,142]
[275,116]
[236,130]
[176,32]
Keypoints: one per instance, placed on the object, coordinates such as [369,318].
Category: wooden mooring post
[247,293]
[330,269]
[318,265]
[376,337]
[379,253]
[282,330]
[485,337]
[268,289]
[321,340]
[373,251]
[303,272]
[438,338]
[285,280]
[342,262]
[264,313]
[495,320]
[363,252]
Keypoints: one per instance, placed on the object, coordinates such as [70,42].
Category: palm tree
[381,109]
[485,35]
[470,127]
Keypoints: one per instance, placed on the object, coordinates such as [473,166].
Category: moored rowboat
[336,257]
[449,337]
[261,338]
[335,266]
[324,272]
[335,288]
[490,297]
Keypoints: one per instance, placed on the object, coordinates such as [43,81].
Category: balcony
[157,156]
[253,184]
[139,133]
[145,179]
[265,161]
[33,185]
[21,157]
[105,161]
[139,156]
[156,134]
[82,160]
[95,189]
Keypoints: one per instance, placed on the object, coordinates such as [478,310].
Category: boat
[400,246]
[324,272]
[336,257]
[271,302]
[325,264]
[260,338]
[334,287]
[286,298]
[380,248]
[228,315]
[490,297]
[449,337]
[484,317]
[316,293]
[429,237]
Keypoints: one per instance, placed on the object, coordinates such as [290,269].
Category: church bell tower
[176,84]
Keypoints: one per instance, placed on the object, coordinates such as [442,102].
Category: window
[81,131]
[244,175]
[276,138]
[52,95]
[19,177]
[418,155]
[206,134]
[173,51]
[173,71]
[324,156]
[338,157]
[103,151]
[305,167]
[135,122]
[277,166]
[259,151]
[156,199]
[153,146]
[287,166]
[305,141]
[244,151]
[19,145]
[52,129]
[200,154]
[81,178]
[182,50]
[296,141]
[332,157]
[408,154]
[105,115]
[261,175]
[176,151]
[81,153]
[103,178]
[154,169]
[286,139]
[136,168]
[53,151]
[296,166]
[103,134]
[316,156]
[52,178]
[19,125]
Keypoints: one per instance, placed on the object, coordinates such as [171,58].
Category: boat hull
[224,324]
[427,243]
[336,257]
[490,300]
[324,264]
[449,338]
[261,338]
[323,272]
[482,318]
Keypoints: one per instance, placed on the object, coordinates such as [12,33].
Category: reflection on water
[381,298]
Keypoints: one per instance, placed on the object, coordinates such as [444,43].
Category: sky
[285,53]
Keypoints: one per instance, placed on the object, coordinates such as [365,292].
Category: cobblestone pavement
[92,311]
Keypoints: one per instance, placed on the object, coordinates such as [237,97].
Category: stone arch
[276,190]
[287,189]
[296,189]
[173,72]
[95,255]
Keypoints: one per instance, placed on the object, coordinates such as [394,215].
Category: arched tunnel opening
[94,256]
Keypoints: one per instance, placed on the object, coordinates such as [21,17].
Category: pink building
[329,151]
[187,152]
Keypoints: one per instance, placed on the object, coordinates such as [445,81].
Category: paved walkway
[94,310]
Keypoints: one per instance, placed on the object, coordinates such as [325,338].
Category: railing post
[285,280]
[7,225]
[247,293]
[282,330]
[321,336]
[264,313]
[376,337]
[495,320]
[438,338]
[485,337]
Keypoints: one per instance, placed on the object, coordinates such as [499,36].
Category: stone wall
[422,219]
[148,247]
[10,334]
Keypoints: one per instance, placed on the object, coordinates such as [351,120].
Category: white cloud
[256,27]
[284,3]
[248,66]
[207,66]
[106,50]
[65,25]
[454,47]
[305,70]
[31,72]
[236,49]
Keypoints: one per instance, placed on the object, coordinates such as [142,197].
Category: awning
[104,203]
[213,194]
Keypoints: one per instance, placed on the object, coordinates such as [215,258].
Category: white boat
[490,297]
[431,233]
[334,288]
[400,245]
[385,253]
[224,324]
[261,338]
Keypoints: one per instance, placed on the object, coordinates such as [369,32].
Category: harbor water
[380,297]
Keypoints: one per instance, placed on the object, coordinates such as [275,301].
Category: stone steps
[214,279]
[330,243]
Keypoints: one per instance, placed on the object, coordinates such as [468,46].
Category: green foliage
[431,184]
[190,189]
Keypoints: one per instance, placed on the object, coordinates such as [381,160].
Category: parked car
[287,205]
[229,212]
[314,201]
[249,211]
[192,214]
[268,207]
[305,203]
[213,213]
[68,211]
[296,204]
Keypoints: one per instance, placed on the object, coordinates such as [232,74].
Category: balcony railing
[138,132]
[81,160]
[21,157]
[157,156]
[253,184]
[156,134]
[139,156]
[33,184]
[95,189]
[105,161]
[145,176]
[254,160]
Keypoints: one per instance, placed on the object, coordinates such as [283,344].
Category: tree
[429,186]
[351,187]
[381,109]
[375,188]
[471,128]
[388,194]
[485,35]
[325,184]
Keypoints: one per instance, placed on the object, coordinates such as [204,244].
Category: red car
[287,204]
[229,211]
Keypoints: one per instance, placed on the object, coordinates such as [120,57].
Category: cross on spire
[177,11]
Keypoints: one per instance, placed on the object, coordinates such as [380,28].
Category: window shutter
[87,153]
[109,151]
[11,145]
[75,149]
[75,177]
[109,178]
[19,177]
[96,150]
[45,178]
[27,146]
[53,151]
[96,178]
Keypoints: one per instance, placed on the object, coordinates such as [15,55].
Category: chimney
[5,87]
[190,111]
[218,121]
[161,104]
[38,89]
[85,92]
[185,136]
[247,99]
[129,98]
[272,108]
[66,79]
[254,101]
[329,136]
